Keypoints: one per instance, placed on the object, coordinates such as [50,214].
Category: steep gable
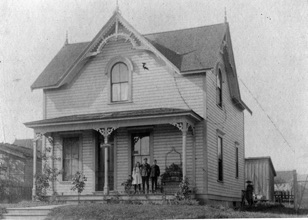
[190,49]
[185,51]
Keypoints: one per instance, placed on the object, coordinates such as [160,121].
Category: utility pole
[295,190]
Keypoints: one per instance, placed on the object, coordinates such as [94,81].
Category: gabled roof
[185,51]
[190,49]
[57,67]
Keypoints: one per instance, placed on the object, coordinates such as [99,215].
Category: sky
[270,44]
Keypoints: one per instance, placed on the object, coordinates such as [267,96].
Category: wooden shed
[261,172]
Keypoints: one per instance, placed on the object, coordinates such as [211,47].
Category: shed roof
[113,115]
[262,158]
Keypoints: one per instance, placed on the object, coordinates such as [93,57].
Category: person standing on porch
[137,177]
[145,174]
[155,172]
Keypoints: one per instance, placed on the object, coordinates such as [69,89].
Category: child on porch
[137,177]
[155,172]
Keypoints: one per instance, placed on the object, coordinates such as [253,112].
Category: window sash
[219,88]
[141,148]
[70,157]
[220,158]
[119,82]
[236,162]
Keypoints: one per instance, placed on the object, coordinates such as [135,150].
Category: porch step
[28,213]
[157,198]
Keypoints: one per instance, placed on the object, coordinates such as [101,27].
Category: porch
[110,144]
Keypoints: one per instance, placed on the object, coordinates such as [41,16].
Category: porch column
[37,137]
[106,133]
[184,140]
[183,126]
[50,150]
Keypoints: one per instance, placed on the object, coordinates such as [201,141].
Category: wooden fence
[284,196]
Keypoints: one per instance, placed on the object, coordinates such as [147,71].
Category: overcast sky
[270,43]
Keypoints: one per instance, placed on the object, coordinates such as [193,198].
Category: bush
[127,184]
[79,183]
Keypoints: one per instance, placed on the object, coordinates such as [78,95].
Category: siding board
[229,120]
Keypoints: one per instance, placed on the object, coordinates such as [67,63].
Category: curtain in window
[141,148]
[70,157]
[119,82]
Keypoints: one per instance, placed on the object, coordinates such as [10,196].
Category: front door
[100,173]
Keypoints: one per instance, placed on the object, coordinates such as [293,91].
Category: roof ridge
[162,32]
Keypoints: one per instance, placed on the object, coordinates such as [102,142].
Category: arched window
[219,88]
[119,82]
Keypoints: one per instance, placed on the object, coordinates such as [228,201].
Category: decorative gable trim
[228,58]
[122,30]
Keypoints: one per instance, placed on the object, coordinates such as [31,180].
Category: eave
[120,119]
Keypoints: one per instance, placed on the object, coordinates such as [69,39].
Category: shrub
[127,184]
[78,183]
[184,192]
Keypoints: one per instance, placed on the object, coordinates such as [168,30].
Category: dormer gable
[115,29]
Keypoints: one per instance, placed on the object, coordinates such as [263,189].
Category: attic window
[219,88]
[119,82]
[120,71]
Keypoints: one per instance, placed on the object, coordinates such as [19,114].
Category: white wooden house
[124,96]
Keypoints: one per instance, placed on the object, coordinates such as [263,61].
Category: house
[16,166]
[124,96]
[261,172]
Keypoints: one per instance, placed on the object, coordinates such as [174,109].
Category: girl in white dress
[137,180]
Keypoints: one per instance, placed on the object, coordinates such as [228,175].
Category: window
[220,158]
[236,162]
[119,82]
[219,88]
[70,157]
[140,148]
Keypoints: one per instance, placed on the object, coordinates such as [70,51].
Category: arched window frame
[109,66]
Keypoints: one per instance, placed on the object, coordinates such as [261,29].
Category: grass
[23,204]
[133,211]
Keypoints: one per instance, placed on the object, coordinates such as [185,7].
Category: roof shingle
[188,49]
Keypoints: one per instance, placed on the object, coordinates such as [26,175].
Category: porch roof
[115,119]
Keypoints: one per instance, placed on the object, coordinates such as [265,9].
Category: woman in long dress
[137,180]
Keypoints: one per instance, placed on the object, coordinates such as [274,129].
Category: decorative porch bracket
[184,126]
[37,137]
[106,132]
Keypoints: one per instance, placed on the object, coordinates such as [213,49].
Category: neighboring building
[28,143]
[125,96]
[261,172]
[16,164]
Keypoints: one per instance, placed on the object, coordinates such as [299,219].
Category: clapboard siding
[229,120]
[153,88]
[122,155]
[87,145]
[165,137]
